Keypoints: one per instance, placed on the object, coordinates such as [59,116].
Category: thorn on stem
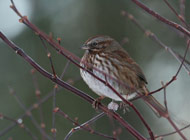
[114,133]
[174,78]
[28,113]
[49,55]
[86,125]
[21,125]
[119,131]
[35,105]
[53,130]
[51,35]
[33,71]
[70,81]
[36,33]
[181,17]
[56,86]
[37,92]
[91,131]
[22,19]
[166,48]
[54,76]
[11,6]
[123,13]
[148,33]
[162,83]
[56,109]
[11,91]
[1,116]
[72,129]
[42,125]
[59,40]
[10,138]
[76,119]
[176,25]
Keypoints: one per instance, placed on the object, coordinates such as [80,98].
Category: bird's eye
[94,44]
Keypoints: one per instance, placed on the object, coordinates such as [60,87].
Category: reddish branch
[32,107]
[19,123]
[65,85]
[171,133]
[84,127]
[154,38]
[181,18]
[53,130]
[86,124]
[162,19]
[70,56]
[42,131]
[38,96]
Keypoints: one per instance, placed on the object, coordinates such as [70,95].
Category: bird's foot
[97,101]
[124,106]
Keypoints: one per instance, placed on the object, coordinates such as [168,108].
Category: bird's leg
[97,102]
[124,106]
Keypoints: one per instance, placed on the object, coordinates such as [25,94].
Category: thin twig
[30,115]
[38,94]
[165,99]
[32,107]
[84,126]
[168,118]
[171,133]
[53,130]
[172,79]
[162,19]
[21,124]
[176,128]
[175,12]
[70,56]
[69,87]
[154,38]
[87,123]
[182,8]
[49,56]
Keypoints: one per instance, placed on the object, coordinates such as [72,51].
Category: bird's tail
[155,106]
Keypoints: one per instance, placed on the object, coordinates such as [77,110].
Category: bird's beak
[85,47]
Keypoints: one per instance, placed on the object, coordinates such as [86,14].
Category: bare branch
[69,87]
[21,124]
[162,19]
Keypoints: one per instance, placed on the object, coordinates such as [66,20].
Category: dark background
[75,21]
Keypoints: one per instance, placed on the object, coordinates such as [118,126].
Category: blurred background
[75,21]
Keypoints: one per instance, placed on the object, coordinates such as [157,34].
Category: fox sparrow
[106,59]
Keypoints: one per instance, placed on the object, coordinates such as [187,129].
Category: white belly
[100,88]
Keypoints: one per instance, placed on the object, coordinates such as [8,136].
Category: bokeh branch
[59,83]
[70,88]
[72,58]
[161,18]
[153,37]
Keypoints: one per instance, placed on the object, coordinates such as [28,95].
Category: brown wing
[125,60]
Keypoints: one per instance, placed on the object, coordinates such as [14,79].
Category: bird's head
[100,43]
